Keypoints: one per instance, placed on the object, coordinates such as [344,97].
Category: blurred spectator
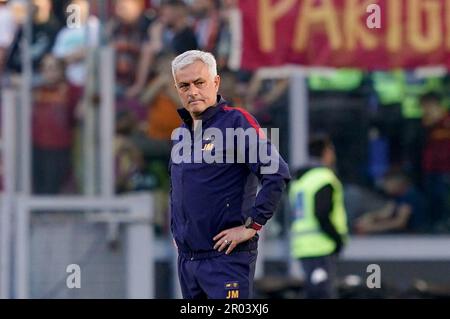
[59,10]
[229,89]
[128,157]
[141,164]
[404,212]
[19,10]
[44,30]
[171,32]
[265,95]
[229,48]
[8,29]
[129,33]
[53,123]
[359,200]
[156,117]
[162,100]
[207,24]
[319,228]
[268,99]
[135,171]
[72,42]
[436,157]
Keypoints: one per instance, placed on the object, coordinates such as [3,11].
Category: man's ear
[217,82]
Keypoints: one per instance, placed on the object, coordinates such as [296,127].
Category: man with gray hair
[215,211]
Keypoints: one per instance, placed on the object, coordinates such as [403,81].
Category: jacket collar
[206,115]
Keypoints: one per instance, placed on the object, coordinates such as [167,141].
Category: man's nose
[193,90]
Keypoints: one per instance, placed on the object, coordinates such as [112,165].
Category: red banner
[367,34]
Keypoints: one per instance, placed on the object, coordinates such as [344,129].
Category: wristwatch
[250,223]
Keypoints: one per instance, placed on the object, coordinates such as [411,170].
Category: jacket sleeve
[323,203]
[264,160]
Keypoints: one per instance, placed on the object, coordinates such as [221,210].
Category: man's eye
[200,83]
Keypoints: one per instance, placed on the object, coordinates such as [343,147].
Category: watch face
[248,222]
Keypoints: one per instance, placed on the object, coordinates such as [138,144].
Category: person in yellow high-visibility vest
[319,228]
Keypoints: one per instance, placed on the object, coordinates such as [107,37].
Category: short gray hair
[189,57]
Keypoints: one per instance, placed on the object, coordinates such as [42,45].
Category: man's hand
[232,237]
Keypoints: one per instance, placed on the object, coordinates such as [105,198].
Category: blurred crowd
[391,129]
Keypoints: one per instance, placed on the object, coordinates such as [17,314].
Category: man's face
[43,4]
[329,155]
[171,14]
[128,10]
[19,11]
[83,6]
[42,9]
[196,87]
[167,15]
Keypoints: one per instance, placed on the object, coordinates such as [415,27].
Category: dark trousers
[51,168]
[437,189]
[320,275]
[221,277]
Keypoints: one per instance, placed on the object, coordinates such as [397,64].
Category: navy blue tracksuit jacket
[209,198]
